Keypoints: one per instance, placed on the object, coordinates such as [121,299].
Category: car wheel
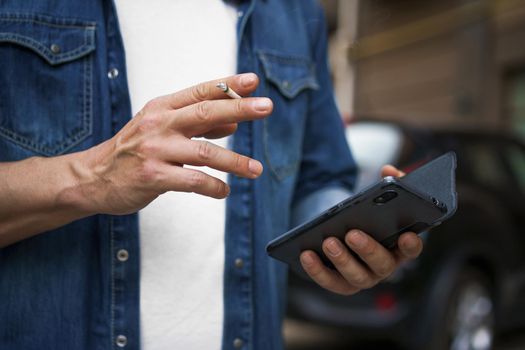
[470,314]
[466,319]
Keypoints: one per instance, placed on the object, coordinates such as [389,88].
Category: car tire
[466,320]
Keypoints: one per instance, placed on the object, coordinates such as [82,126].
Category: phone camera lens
[439,204]
[385,197]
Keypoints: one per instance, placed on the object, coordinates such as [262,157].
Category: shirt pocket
[289,81]
[46,75]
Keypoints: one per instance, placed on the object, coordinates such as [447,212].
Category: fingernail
[262,104]
[307,259]
[333,247]
[357,238]
[248,80]
[255,167]
[409,247]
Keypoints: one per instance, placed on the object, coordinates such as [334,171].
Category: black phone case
[425,198]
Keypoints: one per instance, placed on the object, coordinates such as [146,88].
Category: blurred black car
[469,283]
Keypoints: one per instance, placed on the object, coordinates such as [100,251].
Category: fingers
[243,84]
[190,180]
[375,264]
[409,246]
[390,170]
[380,263]
[221,131]
[324,276]
[379,260]
[204,153]
[353,271]
[202,117]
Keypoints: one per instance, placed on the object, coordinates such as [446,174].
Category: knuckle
[316,273]
[204,151]
[147,147]
[141,113]
[385,269]
[240,162]
[361,280]
[149,121]
[148,172]
[196,180]
[370,249]
[239,106]
[342,259]
[151,105]
[199,92]
[202,111]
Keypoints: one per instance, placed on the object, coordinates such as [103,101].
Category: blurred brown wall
[437,62]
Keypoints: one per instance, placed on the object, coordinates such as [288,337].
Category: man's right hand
[146,158]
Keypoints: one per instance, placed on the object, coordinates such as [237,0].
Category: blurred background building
[414,79]
[453,62]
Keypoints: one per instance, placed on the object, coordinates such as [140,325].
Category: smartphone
[383,210]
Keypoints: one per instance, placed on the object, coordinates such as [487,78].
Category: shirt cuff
[317,202]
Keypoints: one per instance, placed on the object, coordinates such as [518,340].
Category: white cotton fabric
[170,45]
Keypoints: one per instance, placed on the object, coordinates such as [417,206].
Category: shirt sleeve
[328,171]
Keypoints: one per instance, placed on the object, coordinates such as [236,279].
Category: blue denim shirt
[60,93]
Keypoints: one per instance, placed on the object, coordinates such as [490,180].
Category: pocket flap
[290,74]
[56,40]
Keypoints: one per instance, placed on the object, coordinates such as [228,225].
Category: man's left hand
[377,263]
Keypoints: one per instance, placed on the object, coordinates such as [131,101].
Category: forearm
[38,194]
[145,159]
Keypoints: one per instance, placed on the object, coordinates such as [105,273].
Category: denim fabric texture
[67,289]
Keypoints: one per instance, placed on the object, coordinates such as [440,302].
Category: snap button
[240,14]
[113,73]
[121,341]
[239,263]
[238,343]
[286,84]
[122,255]
[55,48]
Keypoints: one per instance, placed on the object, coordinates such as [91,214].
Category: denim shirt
[63,89]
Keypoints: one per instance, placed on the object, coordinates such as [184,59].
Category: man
[77,168]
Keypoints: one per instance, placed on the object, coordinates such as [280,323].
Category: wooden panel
[409,81]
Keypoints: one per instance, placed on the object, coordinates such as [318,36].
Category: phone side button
[333,209]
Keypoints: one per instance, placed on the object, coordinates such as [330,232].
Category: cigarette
[227,90]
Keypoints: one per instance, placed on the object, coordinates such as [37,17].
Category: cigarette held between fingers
[227,90]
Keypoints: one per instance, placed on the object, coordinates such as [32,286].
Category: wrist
[77,189]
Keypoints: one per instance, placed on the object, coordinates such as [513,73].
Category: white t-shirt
[170,45]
